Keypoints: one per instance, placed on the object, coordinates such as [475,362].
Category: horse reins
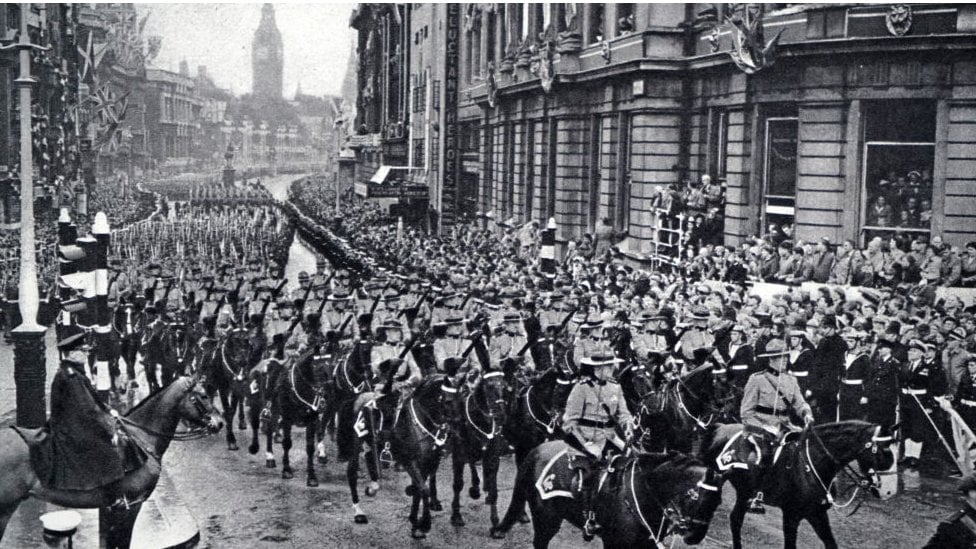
[862,479]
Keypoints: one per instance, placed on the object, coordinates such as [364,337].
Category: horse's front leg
[737,517]
[490,465]
[229,404]
[286,471]
[457,469]
[352,478]
[475,491]
[820,521]
[254,418]
[421,502]
[791,523]
[435,504]
[311,480]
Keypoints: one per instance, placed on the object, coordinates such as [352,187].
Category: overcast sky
[317,39]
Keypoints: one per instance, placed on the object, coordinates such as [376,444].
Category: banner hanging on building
[451,130]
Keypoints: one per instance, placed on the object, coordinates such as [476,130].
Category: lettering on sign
[451,133]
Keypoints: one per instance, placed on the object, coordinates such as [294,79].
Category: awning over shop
[381,174]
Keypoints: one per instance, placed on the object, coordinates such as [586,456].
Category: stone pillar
[30,377]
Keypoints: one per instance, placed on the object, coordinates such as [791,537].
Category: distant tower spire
[267,56]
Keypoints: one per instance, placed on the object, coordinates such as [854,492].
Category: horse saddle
[71,461]
[564,473]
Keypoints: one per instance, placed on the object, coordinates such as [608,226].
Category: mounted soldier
[595,412]
[770,397]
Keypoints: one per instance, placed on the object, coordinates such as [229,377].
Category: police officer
[594,411]
[770,397]
[958,531]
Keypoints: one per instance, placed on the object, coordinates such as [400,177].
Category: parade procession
[526,275]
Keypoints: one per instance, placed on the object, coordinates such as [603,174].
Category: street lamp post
[338,131]
[30,371]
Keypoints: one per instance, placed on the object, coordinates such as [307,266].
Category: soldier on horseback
[595,412]
[769,399]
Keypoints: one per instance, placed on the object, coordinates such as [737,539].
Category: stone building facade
[583,112]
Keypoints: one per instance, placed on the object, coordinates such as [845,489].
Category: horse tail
[520,493]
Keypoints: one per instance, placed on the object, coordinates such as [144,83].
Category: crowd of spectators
[900,309]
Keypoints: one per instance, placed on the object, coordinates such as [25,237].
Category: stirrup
[756,505]
[590,528]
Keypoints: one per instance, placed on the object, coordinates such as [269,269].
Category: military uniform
[857,366]
[587,420]
[769,399]
[958,531]
[507,346]
[881,390]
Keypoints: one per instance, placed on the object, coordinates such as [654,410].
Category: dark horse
[479,416]
[536,410]
[800,478]
[226,370]
[300,398]
[151,424]
[667,419]
[417,438]
[643,499]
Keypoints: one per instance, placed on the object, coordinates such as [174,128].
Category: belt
[718,371]
[583,422]
[770,411]
[801,373]
[852,381]
[966,402]
[915,391]
[740,367]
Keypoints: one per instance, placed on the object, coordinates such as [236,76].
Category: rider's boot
[756,504]
[591,528]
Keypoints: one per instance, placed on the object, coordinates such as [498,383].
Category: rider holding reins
[769,399]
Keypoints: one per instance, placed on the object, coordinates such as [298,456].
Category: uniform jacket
[769,399]
[586,418]
[742,363]
[922,379]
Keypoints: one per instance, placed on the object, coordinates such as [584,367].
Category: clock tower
[267,57]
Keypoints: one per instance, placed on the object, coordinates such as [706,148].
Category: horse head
[235,351]
[490,394]
[863,442]
[193,406]
[676,485]
[877,459]
[433,397]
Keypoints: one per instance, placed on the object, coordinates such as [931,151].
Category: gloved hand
[808,420]
[864,400]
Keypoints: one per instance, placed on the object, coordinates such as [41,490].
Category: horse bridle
[200,430]
[239,375]
[863,480]
[670,512]
[495,427]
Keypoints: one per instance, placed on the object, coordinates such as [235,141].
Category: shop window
[779,181]
[899,153]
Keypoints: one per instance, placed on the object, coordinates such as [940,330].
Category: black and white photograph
[487,275]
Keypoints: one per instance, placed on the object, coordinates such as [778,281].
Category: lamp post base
[30,377]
